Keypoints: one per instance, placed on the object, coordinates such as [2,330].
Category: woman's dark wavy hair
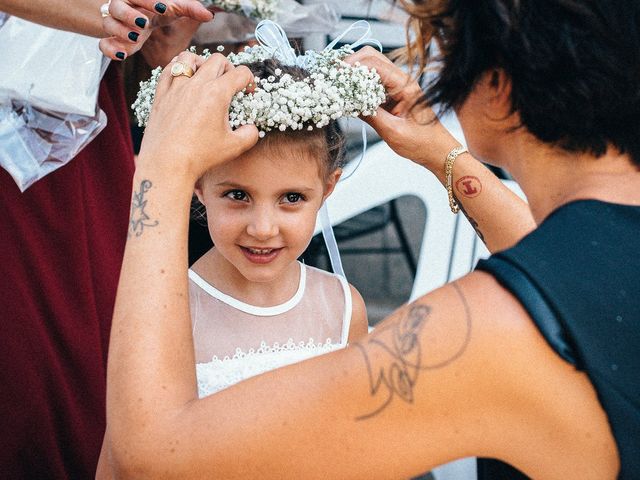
[574,64]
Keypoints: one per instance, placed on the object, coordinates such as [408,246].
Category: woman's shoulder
[537,389]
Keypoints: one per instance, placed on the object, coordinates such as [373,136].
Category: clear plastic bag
[239,24]
[49,82]
[35,142]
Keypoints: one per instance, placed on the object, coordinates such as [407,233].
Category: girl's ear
[331,183]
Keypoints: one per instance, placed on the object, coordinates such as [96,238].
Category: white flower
[255,9]
[334,89]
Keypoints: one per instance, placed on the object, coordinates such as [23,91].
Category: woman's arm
[80,16]
[441,378]
[499,216]
[359,326]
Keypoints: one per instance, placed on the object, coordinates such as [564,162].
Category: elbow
[136,456]
[129,463]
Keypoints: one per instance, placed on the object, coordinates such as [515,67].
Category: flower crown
[333,89]
[255,9]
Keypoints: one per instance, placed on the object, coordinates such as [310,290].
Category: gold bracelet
[448,173]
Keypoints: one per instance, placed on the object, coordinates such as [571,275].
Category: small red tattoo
[469,186]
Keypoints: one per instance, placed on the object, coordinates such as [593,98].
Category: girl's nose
[263,225]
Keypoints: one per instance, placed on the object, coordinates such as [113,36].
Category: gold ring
[104,9]
[180,68]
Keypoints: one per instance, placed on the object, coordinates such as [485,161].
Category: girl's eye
[237,195]
[293,197]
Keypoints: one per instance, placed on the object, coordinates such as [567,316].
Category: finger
[131,18]
[397,82]
[384,123]
[164,80]
[246,136]
[115,28]
[186,58]
[235,80]
[115,49]
[365,54]
[190,8]
[215,66]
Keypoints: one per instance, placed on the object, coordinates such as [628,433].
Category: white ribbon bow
[274,39]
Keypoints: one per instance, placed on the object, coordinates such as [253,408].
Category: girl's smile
[261,255]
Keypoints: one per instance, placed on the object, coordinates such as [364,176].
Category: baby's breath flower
[255,9]
[333,89]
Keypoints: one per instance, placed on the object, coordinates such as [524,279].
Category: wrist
[166,172]
[434,153]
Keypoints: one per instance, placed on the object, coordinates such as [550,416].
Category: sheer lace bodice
[235,341]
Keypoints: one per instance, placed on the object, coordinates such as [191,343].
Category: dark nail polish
[133,36]
[160,7]
[141,22]
[120,55]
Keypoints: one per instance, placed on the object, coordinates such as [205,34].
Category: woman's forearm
[147,377]
[499,216]
[80,16]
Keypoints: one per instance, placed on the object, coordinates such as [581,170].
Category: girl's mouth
[260,255]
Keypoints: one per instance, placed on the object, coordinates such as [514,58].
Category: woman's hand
[130,22]
[412,132]
[188,130]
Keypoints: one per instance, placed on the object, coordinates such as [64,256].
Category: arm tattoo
[472,221]
[394,356]
[470,187]
[139,218]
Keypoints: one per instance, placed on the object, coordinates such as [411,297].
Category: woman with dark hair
[531,359]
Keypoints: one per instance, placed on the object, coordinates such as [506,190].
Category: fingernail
[120,55]
[160,7]
[133,36]
[141,22]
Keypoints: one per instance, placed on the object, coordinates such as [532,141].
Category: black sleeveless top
[578,277]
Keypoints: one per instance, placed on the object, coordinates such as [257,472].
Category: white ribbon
[365,38]
[273,38]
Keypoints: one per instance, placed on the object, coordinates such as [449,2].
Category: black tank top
[578,277]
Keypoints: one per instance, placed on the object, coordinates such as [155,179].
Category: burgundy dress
[61,247]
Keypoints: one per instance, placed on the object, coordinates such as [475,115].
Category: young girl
[254,306]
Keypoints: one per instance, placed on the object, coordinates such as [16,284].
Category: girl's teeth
[260,251]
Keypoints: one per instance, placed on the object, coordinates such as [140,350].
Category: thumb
[246,136]
[192,9]
[384,123]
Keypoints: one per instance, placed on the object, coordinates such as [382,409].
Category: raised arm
[80,16]
[498,215]
[440,379]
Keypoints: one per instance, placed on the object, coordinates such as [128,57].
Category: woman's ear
[498,90]
[331,182]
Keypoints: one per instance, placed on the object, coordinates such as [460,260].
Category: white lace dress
[235,341]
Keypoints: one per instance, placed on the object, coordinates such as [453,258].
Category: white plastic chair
[383,176]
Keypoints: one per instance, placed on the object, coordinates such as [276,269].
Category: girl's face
[261,210]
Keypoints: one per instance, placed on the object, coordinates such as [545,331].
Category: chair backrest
[382,176]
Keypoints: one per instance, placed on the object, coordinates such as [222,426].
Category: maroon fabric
[61,246]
